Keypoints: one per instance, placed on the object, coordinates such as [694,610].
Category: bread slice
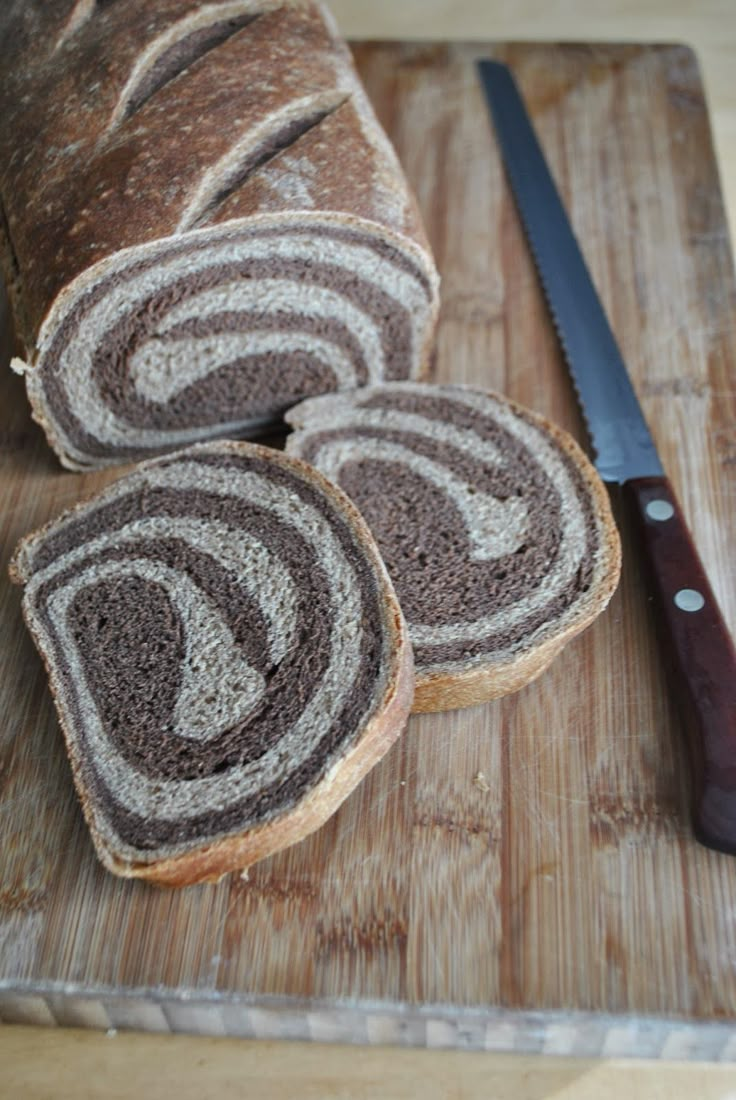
[226,653]
[203,221]
[494,526]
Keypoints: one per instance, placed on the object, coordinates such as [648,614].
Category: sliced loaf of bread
[494,526]
[201,221]
[226,653]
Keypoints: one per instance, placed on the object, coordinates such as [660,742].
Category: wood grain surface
[708,26]
[516,876]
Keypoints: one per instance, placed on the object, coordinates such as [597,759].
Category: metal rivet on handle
[660,510]
[688,599]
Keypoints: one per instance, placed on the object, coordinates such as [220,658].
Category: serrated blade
[624,447]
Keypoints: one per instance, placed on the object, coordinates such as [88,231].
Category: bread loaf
[494,527]
[202,221]
[226,653]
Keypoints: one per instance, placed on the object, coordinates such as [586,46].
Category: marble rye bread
[226,653]
[494,526]
[201,221]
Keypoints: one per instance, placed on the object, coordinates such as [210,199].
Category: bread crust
[211,860]
[110,182]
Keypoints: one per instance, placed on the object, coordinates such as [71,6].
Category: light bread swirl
[226,653]
[494,526]
[202,221]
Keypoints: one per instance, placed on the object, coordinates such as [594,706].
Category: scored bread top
[495,528]
[110,138]
[226,654]
[201,222]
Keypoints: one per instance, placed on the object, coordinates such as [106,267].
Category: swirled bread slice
[226,653]
[203,221]
[495,528]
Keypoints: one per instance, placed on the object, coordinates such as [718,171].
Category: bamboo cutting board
[519,875]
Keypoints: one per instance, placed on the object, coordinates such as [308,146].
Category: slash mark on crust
[80,13]
[277,133]
[169,55]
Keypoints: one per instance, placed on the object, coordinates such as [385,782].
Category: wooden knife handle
[702,655]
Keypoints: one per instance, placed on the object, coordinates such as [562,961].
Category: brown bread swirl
[494,527]
[226,653]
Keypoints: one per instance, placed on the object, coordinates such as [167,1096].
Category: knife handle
[702,655]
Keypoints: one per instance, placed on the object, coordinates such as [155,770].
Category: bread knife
[695,636]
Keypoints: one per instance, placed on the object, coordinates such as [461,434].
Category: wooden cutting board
[520,875]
